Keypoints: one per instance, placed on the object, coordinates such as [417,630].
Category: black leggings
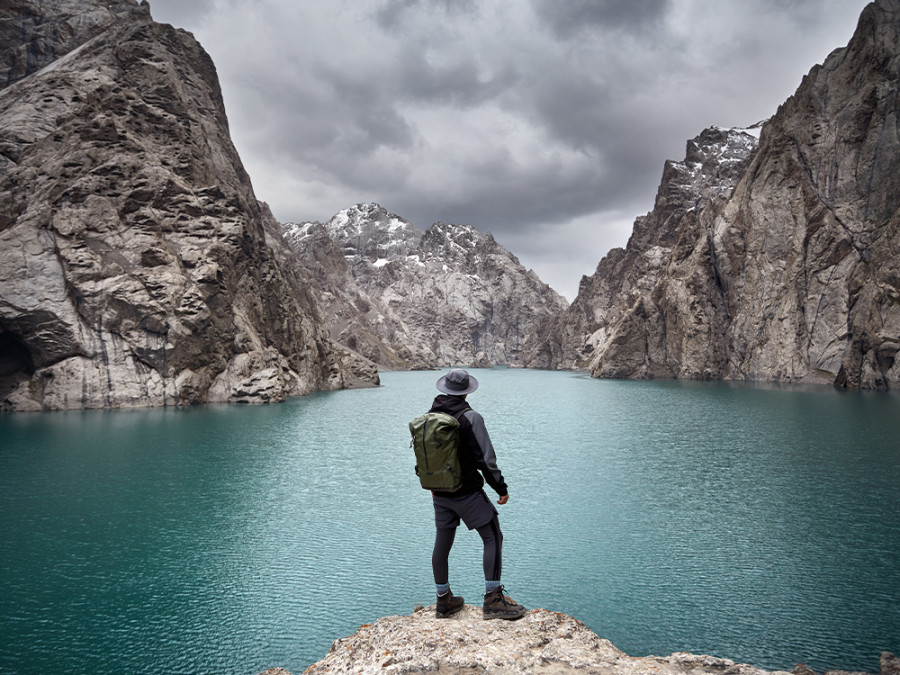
[493,551]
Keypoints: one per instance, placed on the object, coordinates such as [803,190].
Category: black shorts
[475,510]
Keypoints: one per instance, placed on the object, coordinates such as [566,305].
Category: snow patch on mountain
[408,298]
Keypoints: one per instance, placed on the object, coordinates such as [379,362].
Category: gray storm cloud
[546,123]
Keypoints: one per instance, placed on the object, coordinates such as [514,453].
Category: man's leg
[496,604]
[492,560]
[440,558]
[447,603]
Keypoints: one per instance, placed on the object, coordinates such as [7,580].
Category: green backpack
[435,439]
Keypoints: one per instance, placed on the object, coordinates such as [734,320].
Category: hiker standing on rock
[461,495]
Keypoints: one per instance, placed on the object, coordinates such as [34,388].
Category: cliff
[540,642]
[792,276]
[612,303]
[135,269]
[807,246]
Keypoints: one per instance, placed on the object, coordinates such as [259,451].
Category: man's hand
[503,499]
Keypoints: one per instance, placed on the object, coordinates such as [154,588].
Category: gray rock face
[411,299]
[34,34]
[794,276]
[808,244]
[134,266]
[615,318]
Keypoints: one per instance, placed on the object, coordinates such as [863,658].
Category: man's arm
[485,457]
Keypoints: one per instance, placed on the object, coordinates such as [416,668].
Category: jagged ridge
[614,297]
[406,298]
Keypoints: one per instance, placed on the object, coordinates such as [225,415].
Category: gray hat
[457,382]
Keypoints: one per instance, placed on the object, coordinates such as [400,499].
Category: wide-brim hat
[457,382]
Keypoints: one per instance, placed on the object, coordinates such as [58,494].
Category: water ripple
[755,524]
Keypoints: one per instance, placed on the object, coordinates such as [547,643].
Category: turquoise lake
[755,523]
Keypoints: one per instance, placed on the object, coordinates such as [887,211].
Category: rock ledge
[541,642]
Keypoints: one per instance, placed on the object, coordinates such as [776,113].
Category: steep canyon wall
[776,263]
[134,266]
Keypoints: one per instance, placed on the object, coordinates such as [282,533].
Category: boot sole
[509,616]
[444,615]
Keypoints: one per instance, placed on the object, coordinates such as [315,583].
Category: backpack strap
[459,414]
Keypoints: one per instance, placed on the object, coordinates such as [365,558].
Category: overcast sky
[545,122]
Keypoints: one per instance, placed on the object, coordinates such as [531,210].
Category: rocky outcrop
[34,34]
[794,277]
[609,318]
[405,298]
[540,642]
[134,264]
[807,247]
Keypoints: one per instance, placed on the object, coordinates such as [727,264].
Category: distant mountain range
[405,298]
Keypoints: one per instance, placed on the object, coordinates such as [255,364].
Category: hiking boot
[499,606]
[448,604]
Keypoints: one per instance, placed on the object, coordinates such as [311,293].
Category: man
[470,503]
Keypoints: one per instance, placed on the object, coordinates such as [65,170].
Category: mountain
[405,298]
[628,281]
[135,266]
[793,276]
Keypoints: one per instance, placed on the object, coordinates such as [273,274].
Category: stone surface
[34,33]
[793,276]
[405,298]
[135,267]
[807,247]
[890,664]
[541,642]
